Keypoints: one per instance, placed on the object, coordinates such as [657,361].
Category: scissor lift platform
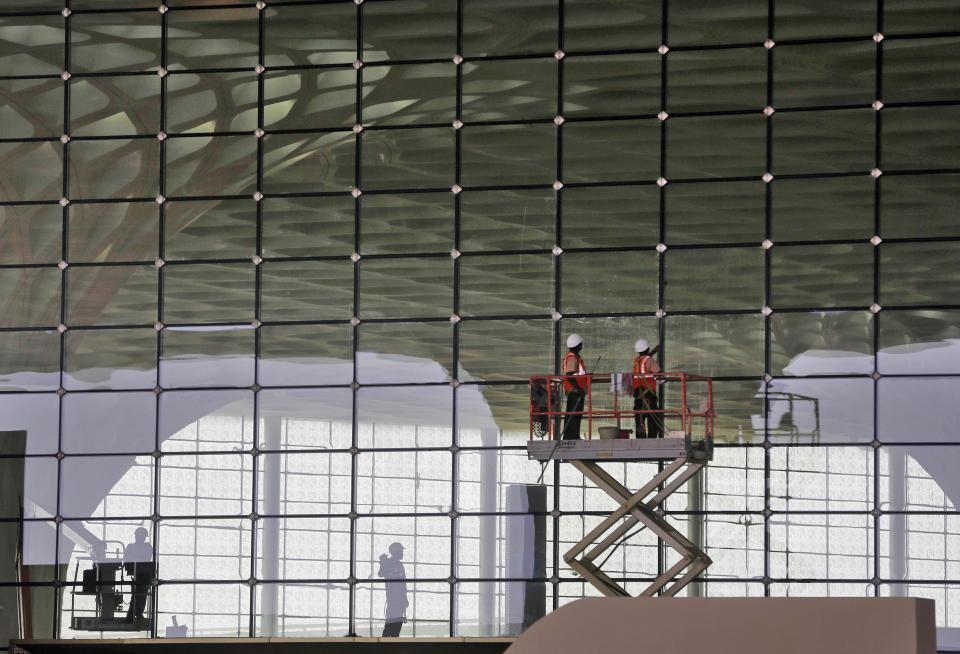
[686,455]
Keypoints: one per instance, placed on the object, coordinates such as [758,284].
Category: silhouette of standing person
[391,569]
[138,562]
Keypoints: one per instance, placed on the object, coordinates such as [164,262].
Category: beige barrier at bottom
[721,625]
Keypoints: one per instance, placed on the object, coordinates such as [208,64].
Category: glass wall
[273,277]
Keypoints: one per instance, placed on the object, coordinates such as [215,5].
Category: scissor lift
[688,447]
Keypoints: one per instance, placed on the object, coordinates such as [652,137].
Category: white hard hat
[573,340]
[641,345]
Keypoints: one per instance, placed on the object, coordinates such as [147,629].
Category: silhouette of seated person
[391,569]
[138,563]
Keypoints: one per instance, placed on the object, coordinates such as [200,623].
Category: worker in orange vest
[575,384]
[645,391]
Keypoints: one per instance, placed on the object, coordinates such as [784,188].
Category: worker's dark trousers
[391,628]
[571,423]
[647,401]
[138,600]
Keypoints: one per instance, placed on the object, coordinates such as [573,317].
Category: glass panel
[29,361]
[920,205]
[213,38]
[407,417]
[30,422]
[822,209]
[823,141]
[212,102]
[29,297]
[918,342]
[412,287]
[715,345]
[819,546]
[912,16]
[409,158]
[121,168]
[819,410]
[110,106]
[310,34]
[721,278]
[611,24]
[429,610]
[406,224]
[389,34]
[205,485]
[920,70]
[310,418]
[405,353]
[296,227]
[599,282]
[34,171]
[31,45]
[610,340]
[209,229]
[919,273]
[502,27]
[31,107]
[110,486]
[740,417]
[511,474]
[511,284]
[297,355]
[30,234]
[917,409]
[110,358]
[804,19]
[39,495]
[614,216]
[206,421]
[208,292]
[215,165]
[291,483]
[694,23]
[925,474]
[519,89]
[920,138]
[587,148]
[611,85]
[730,212]
[217,610]
[310,99]
[505,349]
[301,163]
[127,41]
[488,416]
[507,220]
[109,423]
[300,605]
[306,290]
[207,356]
[821,478]
[929,553]
[717,80]
[115,231]
[716,146]
[509,154]
[112,295]
[467,594]
[202,549]
[408,94]
[798,273]
[824,74]
[307,548]
[821,343]
[405,481]
[38,549]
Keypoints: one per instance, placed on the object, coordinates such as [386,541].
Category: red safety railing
[684,406]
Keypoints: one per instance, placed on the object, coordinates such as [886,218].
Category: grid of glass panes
[321,245]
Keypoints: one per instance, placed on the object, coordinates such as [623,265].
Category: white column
[270,529]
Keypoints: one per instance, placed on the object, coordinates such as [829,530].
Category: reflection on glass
[198,421]
[306,548]
[310,99]
[31,45]
[717,80]
[114,42]
[404,353]
[917,409]
[32,107]
[407,417]
[614,216]
[302,609]
[404,481]
[820,209]
[207,356]
[323,33]
[824,74]
[508,155]
[501,27]
[920,205]
[111,106]
[299,355]
[615,283]
[211,102]
[919,273]
[114,231]
[839,141]
[587,147]
[309,418]
[298,163]
[34,171]
[907,75]
[821,478]
[408,94]
[611,85]
[29,422]
[110,358]
[109,423]
[116,168]
[206,485]
[291,483]
[214,38]
[817,410]
[29,297]
[726,212]
[214,165]
[716,146]
[507,220]
[308,226]
[798,272]
[209,229]
[409,158]
[112,295]
[389,34]
[216,610]
[794,19]
[818,546]
[29,360]
[505,349]
[523,89]
[493,415]
[722,278]
[94,486]
[918,478]
[694,23]
[223,546]
[821,343]
[611,24]
[208,292]
[918,342]
[306,290]
[411,223]
[406,288]
[507,284]
[715,345]
[30,234]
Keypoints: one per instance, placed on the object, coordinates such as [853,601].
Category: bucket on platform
[609,433]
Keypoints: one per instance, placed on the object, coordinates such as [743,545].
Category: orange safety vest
[569,384]
[640,369]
